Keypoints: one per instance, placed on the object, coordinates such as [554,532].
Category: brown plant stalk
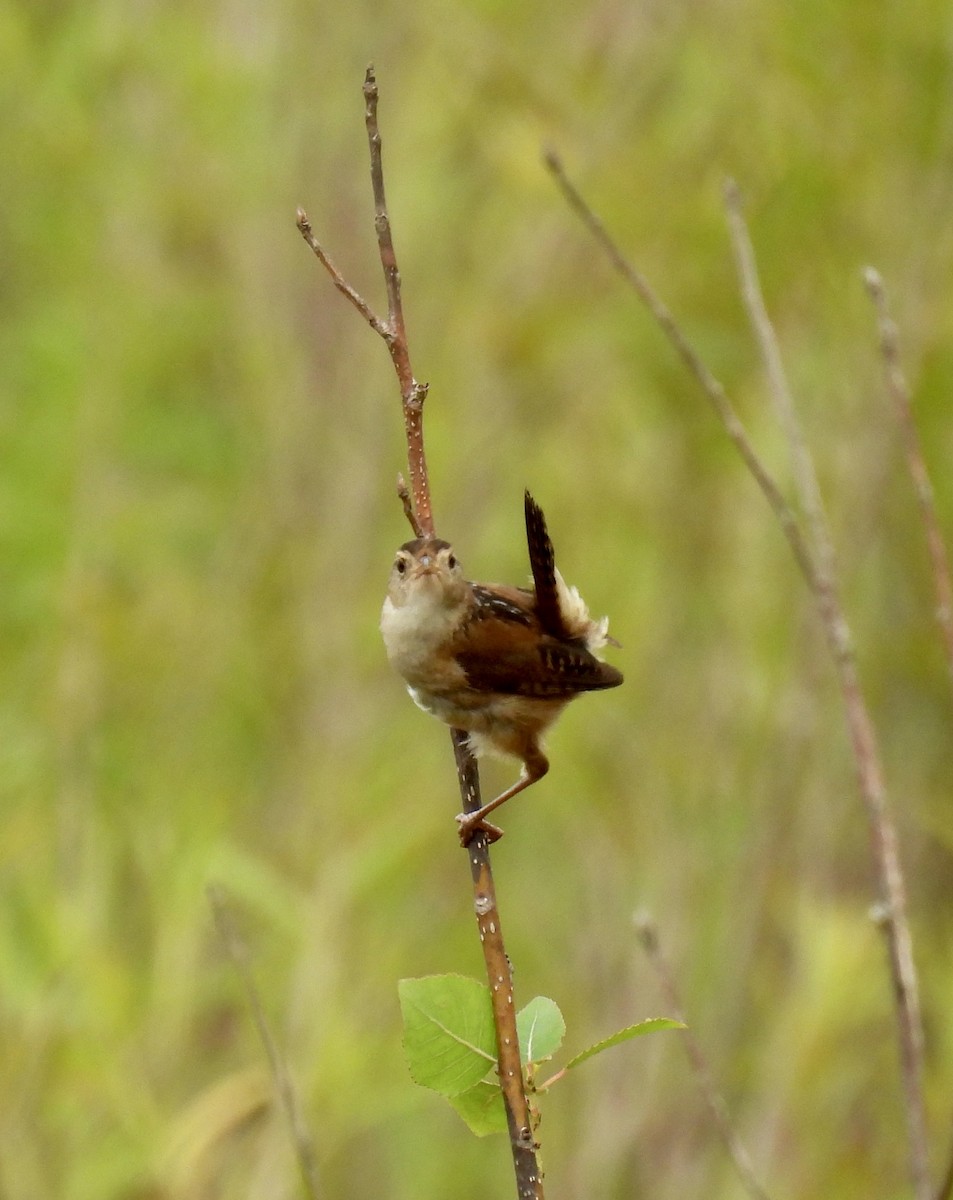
[899,390]
[813,552]
[892,899]
[417,507]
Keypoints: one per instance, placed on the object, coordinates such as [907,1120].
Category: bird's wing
[502,649]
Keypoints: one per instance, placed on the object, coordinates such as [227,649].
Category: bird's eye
[451,562]
[401,566]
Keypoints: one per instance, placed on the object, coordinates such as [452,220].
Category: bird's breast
[417,639]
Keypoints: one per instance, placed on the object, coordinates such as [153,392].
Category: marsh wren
[499,662]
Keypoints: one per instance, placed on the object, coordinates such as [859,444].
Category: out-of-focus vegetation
[199,442]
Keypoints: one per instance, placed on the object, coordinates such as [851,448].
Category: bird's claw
[469,824]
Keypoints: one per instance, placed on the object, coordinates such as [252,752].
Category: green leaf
[541,1029]
[482,1108]
[625,1035]
[448,1031]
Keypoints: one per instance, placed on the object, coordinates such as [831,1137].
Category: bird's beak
[425,565]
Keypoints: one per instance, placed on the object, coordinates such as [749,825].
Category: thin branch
[412,393]
[419,513]
[883,836]
[900,393]
[303,221]
[237,951]
[884,843]
[805,477]
[715,1102]
[403,495]
[686,352]
[385,241]
[500,978]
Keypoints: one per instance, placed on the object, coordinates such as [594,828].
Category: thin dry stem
[900,393]
[303,221]
[403,494]
[238,953]
[498,974]
[808,488]
[419,513]
[687,353]
[862,733]
[412,393]
[392,330]
[814,566]
[715,1102]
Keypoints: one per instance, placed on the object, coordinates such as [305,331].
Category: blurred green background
[197,518]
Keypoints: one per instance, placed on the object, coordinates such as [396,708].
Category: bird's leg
[535,766]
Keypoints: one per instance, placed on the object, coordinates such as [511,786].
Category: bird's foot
[470,824]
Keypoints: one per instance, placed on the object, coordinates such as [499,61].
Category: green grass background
[198,442]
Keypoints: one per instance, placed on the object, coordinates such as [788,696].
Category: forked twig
[816,564]
[303,221]
[899,391]
[420,515]
[715,1102]
[392,330]
[237,951]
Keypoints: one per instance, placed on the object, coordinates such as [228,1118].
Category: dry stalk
[886,856]
[816,563]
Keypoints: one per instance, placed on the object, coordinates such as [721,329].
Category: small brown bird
[499,662]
